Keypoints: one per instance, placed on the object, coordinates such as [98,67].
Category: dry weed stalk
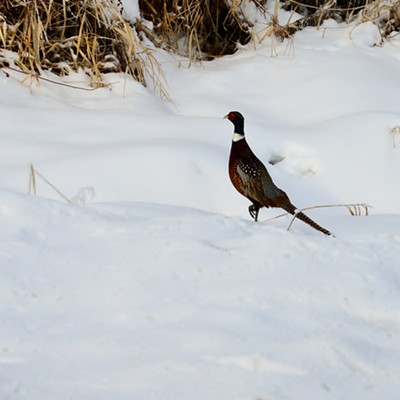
[79,199]
[42,78]
[355,209]
[315,11]
[385,14]
[273,28]
[33,173]
[72,35]
[32,180]
[394,131]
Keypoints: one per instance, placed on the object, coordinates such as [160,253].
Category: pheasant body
[252,180]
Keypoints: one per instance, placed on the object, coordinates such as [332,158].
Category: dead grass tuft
[71,35]
[198,29]
[383,13]
[92,35]
[205,29]
[274,29]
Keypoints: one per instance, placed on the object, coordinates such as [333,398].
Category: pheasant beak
[226,116]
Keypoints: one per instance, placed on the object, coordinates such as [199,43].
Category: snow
[154,283]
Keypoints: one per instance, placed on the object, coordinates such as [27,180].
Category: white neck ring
[237,136]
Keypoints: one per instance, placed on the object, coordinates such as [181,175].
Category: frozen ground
[160,286]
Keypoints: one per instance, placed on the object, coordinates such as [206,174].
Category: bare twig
[394,131]
[41,78]
[355,209]
[32,180]
[32,183]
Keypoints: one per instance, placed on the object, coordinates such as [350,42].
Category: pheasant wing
[257,184]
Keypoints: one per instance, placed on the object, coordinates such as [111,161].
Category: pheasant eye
[232,116]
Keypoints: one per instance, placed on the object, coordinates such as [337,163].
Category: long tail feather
[309,221]
[303,217]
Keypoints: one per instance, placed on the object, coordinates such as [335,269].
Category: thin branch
[32,183]
[38,77]
[5,72]
[32,180]
[355,209]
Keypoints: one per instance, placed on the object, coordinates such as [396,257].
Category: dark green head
[237,120]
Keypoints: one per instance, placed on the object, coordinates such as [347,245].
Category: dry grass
[70,35]
[79,199]
[316,11]
[204,29]
[355,210]
[33,175]
[394,132]
[198,29]
[384,13]
[91,35]
[274,29]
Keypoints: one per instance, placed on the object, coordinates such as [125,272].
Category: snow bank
[161,286]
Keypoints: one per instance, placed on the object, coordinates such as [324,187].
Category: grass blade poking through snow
[33,173]
[395,131]
[355,209]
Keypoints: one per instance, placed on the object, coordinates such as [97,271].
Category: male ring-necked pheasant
[251,179]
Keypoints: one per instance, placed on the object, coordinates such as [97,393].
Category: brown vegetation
[63,36]
[93,36]
[198,28]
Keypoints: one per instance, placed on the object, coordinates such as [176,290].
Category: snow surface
[160,286]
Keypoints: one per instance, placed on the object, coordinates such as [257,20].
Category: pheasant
[251,179]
